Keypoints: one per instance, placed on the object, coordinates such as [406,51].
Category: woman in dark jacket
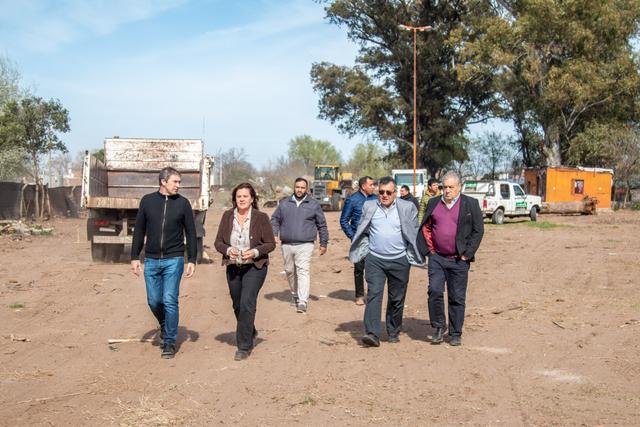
[245,239]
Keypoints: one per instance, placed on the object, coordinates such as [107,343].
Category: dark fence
[18,200]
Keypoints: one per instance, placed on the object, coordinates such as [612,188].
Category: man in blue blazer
[349,220]
[386,241]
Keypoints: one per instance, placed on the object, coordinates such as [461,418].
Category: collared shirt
[453,202]
[385,233]
[240,234]
[295,199]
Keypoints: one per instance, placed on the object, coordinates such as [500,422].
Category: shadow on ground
[415,329]
[285,296]
[342,294]
[229,338]
[184,334]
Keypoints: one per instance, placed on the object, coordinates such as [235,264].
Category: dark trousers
[358,277]
[244,284]
[455,272]
[396,273]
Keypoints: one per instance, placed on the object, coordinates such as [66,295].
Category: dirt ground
[551,338]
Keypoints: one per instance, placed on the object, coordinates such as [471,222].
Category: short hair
[386,180]
[406,188]
[451,174]
[432,181]
[362,181]
[165,173]
[301,179]
[252,191]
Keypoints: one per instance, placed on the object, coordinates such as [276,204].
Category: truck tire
[113,252]
[533,214]
[498,217]
[335,202]
[98,251]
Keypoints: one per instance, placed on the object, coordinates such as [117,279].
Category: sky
[235,73]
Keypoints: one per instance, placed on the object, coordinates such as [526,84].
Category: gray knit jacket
[300,224]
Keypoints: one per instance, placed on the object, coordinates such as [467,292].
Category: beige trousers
[297,266]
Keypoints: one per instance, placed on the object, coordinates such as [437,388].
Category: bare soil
[551,338]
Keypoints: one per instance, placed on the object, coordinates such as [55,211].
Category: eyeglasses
[387,192]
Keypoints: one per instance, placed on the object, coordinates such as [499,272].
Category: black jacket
[409,198]
[470,227]
[165,220]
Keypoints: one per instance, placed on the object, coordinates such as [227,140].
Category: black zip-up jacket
[165,220]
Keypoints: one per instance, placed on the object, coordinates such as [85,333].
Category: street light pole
[415,90]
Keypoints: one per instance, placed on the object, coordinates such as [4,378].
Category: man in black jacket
[405,194]
[165,217]
[450,234]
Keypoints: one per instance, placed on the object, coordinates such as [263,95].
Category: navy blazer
[469,231]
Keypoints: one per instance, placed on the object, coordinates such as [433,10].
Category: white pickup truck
[500,199]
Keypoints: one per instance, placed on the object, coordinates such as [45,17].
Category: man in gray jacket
[297,221]
[386,240]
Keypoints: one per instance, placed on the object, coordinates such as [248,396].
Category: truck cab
[500,199]
[331,186]
[405,177]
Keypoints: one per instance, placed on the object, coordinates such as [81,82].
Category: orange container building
[565,184]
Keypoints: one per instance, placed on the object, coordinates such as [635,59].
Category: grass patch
[543,224]
[309,401]
[16,306]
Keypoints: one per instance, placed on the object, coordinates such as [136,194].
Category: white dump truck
[500,199]
[111,190]
[405,177]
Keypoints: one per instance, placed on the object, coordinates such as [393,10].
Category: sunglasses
[387,192]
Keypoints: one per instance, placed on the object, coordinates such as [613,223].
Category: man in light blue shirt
[385,239]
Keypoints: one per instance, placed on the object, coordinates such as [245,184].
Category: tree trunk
[551,147]
[36,175]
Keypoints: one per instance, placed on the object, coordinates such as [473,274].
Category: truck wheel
[498,217]
[335,202]
[98,251]
[533,214]
[113,252]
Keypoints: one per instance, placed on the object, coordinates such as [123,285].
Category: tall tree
[375,96]
[13,161]
[32,125]
[558,66]
[235,167]
[614,146]
[368,159]
[312,151]
[9,82]
[495,154]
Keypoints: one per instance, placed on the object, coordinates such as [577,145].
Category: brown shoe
[359,300]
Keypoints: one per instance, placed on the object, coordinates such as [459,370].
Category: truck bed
[131,170]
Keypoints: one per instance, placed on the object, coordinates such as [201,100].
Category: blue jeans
[162,277]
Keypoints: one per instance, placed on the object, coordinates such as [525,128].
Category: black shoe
[437,337]
[370,341]
[394,339]
[168,351]
[455,341]
[241,355]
